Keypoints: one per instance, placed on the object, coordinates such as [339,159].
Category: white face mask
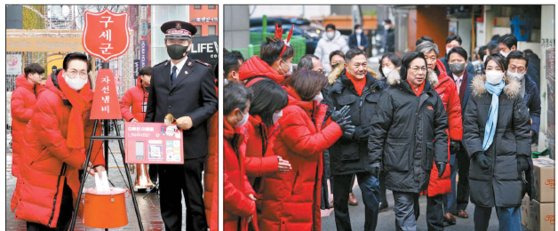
[330,34]
[448,50]
[75,83]
[359,31]
[243,121]
[386,71]
[494,77]
[515,75]
[277,116]
[318,98]
[504,53]
[484,58]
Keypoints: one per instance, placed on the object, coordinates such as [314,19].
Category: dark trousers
[509,219]
[370,187]
[435,212]
[406,209]
[66,209]
[178,180]
[153,172]
[463,184]
[383,188]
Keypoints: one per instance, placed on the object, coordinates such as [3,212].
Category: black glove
[341,114]
[522,164]
[441,168]
[455,146]
[484,161]
[531,188]
[348,131]
[362,134]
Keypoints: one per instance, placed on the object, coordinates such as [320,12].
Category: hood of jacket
[394,78]
[255,66]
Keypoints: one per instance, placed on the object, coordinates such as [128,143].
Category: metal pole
[130,182]
[83,178]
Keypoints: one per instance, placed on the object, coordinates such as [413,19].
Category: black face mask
[176,51]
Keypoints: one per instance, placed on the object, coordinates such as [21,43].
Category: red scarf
[359,84]
[81,102]
[417,90]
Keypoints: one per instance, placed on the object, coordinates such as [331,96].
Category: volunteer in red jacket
[268,101]
[56,138]
[136,99]
[22,103]
[291,200]
[238,196]
[438,187]
[275,61]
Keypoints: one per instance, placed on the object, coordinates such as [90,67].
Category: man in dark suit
[184,88]
[358,39]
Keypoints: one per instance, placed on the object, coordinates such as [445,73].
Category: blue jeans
[509,219]
[451,199]
[370,187]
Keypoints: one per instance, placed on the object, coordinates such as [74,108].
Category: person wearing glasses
[56,138]
[409,135]
[360,91]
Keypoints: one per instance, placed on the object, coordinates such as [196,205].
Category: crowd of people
[293,133]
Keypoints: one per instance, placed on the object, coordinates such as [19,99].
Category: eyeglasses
[72,73]
[516,69]
[416,69]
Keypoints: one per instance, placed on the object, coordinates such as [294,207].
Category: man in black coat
[184,88]
[349,155]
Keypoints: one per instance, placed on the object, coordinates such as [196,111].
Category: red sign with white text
[153,143]
[105,34]
[105,101]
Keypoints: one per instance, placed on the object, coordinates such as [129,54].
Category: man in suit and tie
[184,88]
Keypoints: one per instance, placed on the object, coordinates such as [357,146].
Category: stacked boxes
[538,213]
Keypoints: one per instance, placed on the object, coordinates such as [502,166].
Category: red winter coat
[257,67]
[260,159]
[41,169]
[237,206]
[211,173]
[291,200]
[447,89]
[22,103]
[135,98]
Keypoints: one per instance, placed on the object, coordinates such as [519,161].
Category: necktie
[173,75]
[458,83]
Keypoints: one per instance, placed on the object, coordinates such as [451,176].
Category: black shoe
[383,206]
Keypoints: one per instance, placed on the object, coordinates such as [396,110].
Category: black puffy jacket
[408,135]
[350,155]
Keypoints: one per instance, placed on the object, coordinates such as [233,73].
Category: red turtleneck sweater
[357,83]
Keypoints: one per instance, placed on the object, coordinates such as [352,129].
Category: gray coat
[501,185]
[408,135]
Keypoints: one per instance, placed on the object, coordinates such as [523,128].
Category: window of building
[211,7]
[197,7]
[211,30]
[199,30]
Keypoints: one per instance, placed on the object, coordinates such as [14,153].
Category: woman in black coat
[498,142]
[408,135]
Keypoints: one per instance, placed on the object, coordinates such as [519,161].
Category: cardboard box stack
[538,213]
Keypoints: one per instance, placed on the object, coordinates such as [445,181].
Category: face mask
[387,27]
[494,77]
[75,83]
[386,71]
[330,35]
[277,116]
[359,31]
[504,53]
[516,75]
[243,121]
[484,58]
[176,51]
[318,98]
[457,68]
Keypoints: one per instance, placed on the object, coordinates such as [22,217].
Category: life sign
[206,49]
[105,34]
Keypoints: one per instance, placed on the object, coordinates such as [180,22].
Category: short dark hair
[406,61]
[235,96]
[230,63]
[422,39]
[458,50]
[509,40]
[307,83]
[453,37]
[357,26]
[330,26]
[271,49]
[481,51]
[238,55]
[393,58]
[499,59]
[33,68]
[76,55]
[388,21]
[145,70]
[353,53]
[306,61]
[336,52]
[517,54]
[269,97]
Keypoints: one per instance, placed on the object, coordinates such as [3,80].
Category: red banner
[105,34]
[105,101]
